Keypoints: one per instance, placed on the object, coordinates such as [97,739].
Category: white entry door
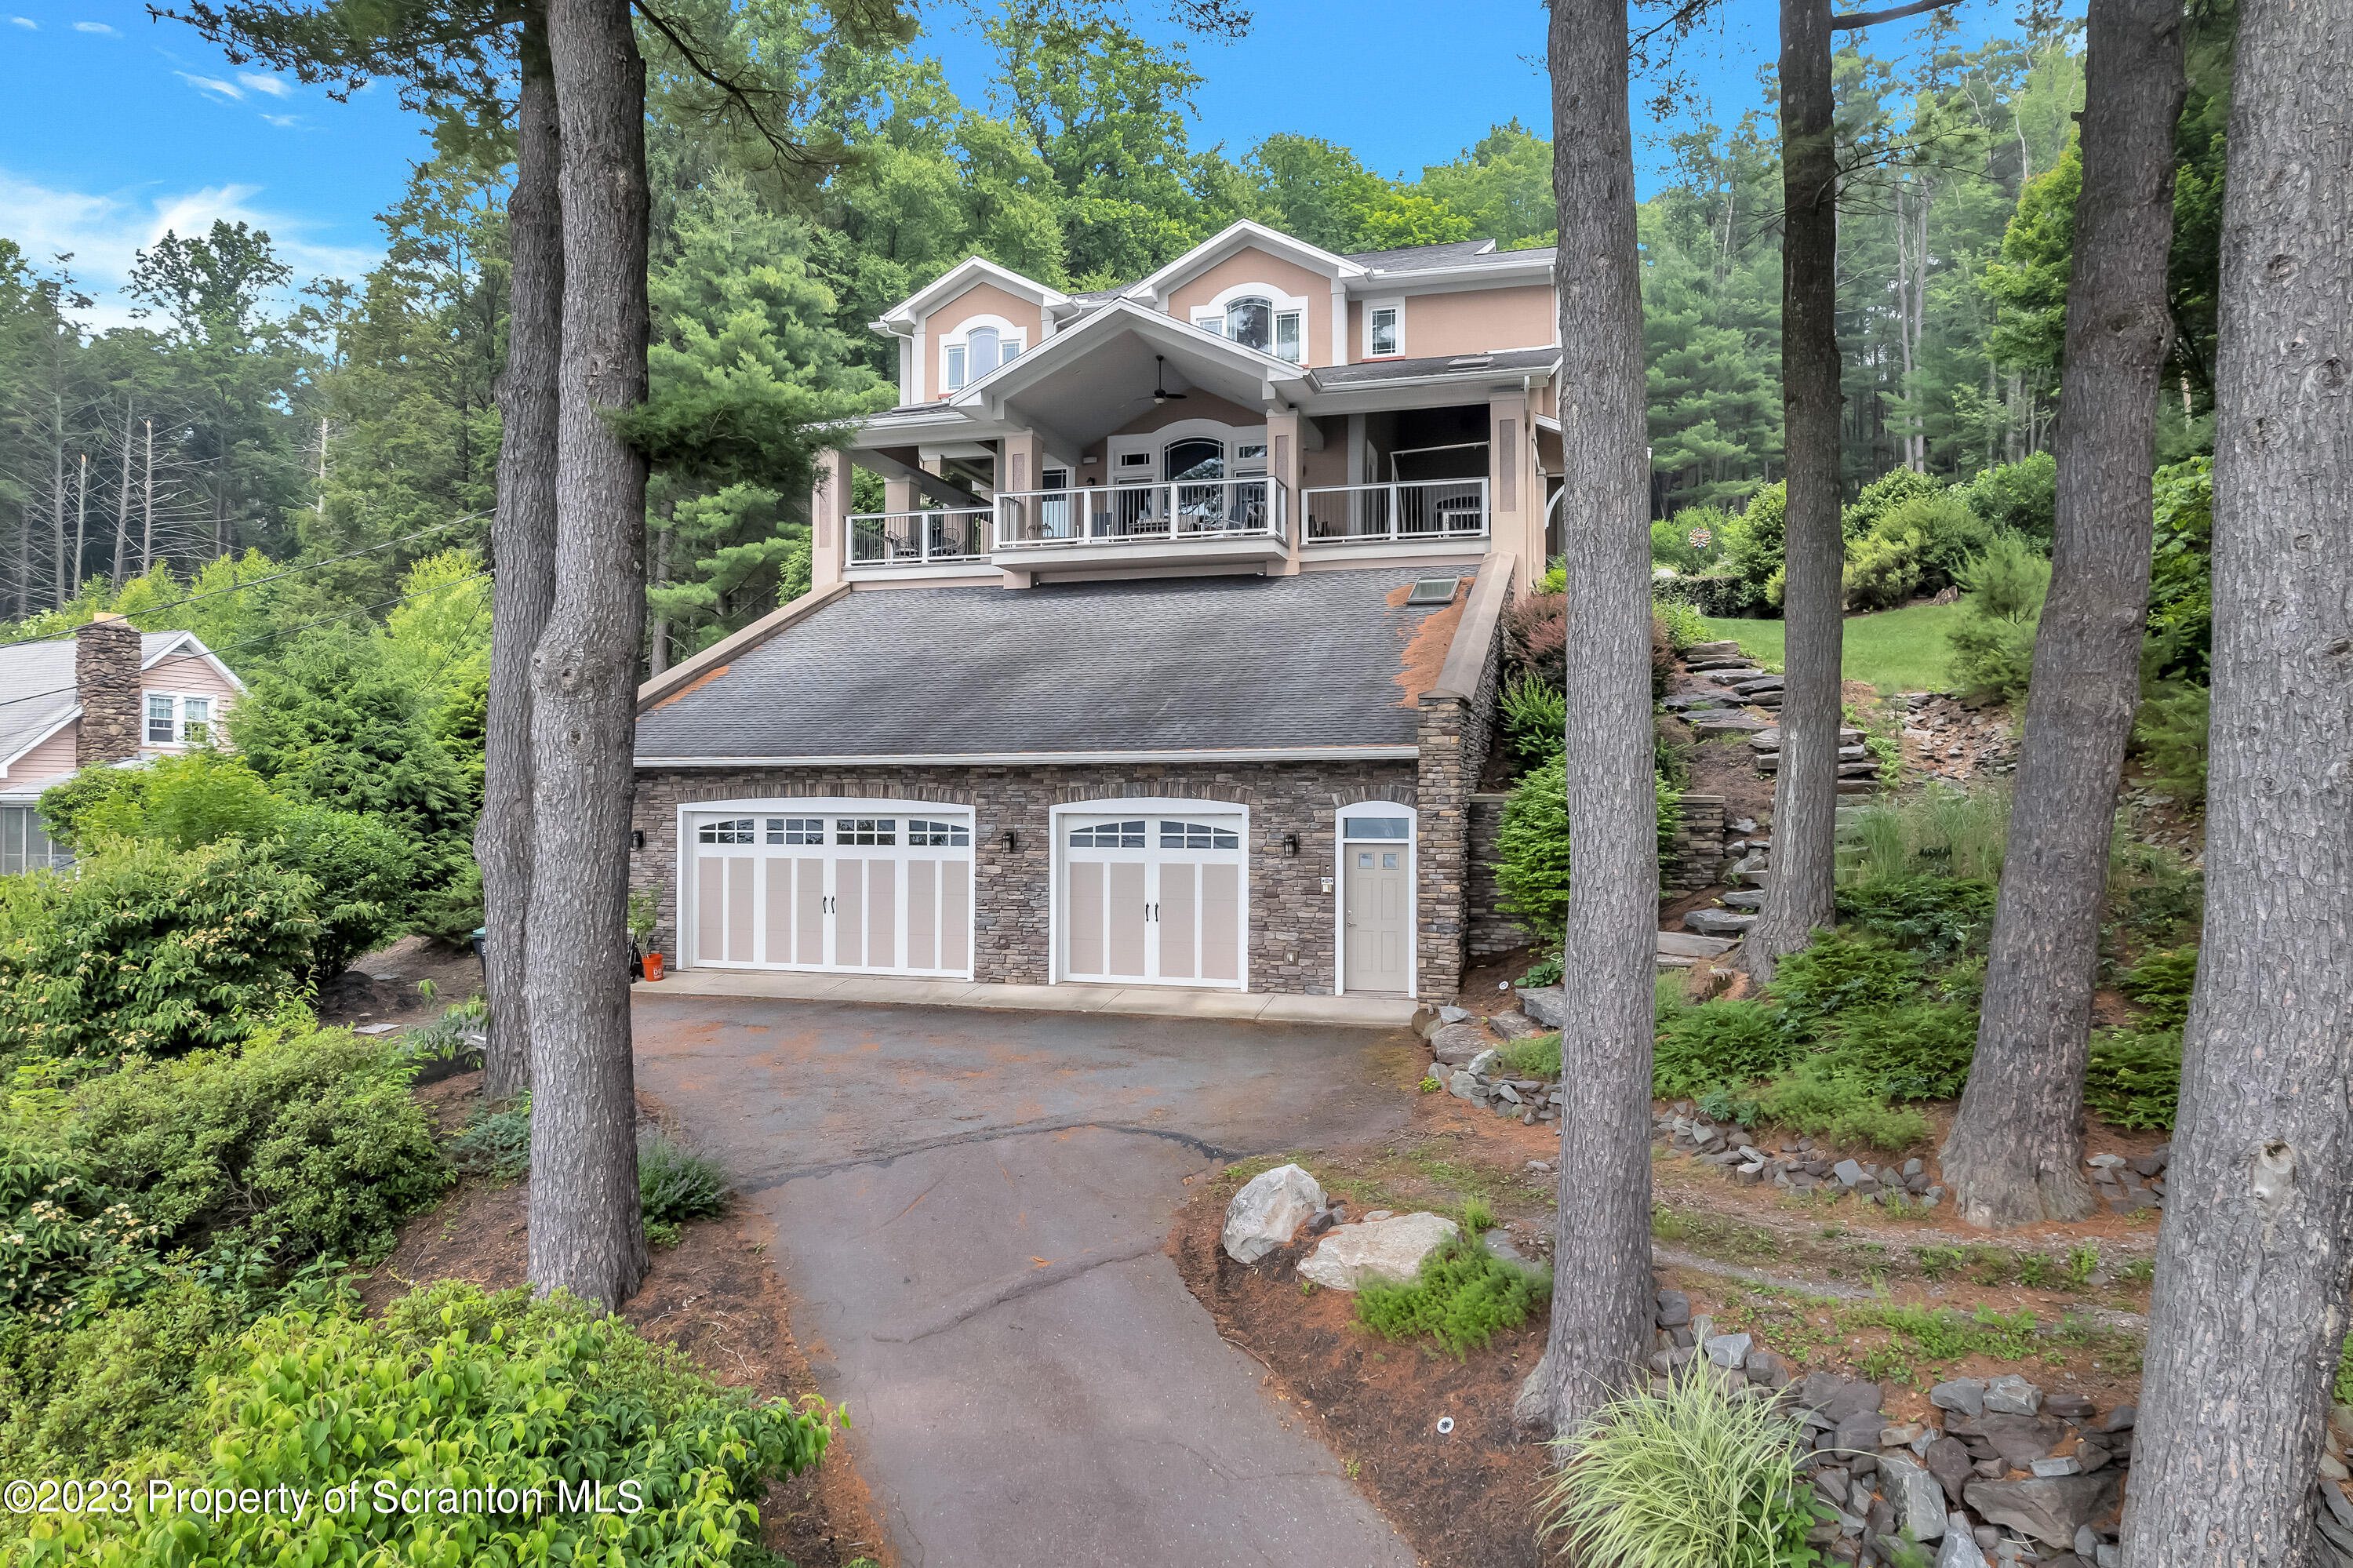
[874,895]
[1156,899]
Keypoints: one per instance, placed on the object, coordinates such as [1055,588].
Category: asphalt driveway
[969,1206]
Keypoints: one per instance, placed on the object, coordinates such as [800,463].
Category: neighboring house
[1171,659]
[110,693]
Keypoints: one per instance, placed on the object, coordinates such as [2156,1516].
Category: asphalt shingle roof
[36,685]
[1158,665]
[1509,361]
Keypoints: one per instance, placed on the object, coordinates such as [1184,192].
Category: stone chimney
[105,680]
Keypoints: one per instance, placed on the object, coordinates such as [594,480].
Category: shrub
[677,1184]
[1917,1053]
[1717,596]
[1836,974]
[1682,1480]
[1993,645]
[1753,543]
[2020,497]
[1918,545]
[2181,571]
[1662,658]
[1691,541]
[1892,490]
[1940,916]
[1535,633]
[496,1143]
[145,948]
[2161,983]
[1846,1112]
[2170,732]
[1882,572]
[1536,718]
[2134,1079]
[1461,1296]
[1533,873]
[74,1401]
[1684,625]
[460,1389]
[1716,1042]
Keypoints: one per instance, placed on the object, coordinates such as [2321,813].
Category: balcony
[1417,511]
[938,536]
[1223,520]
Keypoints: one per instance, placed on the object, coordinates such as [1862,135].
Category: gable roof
[1241,236]
[37,685]
[955,280]
[1173,668]
[1024,369]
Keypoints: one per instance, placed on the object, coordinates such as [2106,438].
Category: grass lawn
[1897,650]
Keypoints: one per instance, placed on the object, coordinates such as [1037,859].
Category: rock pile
[2004,1471]
[2134,1183]
[1792,1166]
[1945,737]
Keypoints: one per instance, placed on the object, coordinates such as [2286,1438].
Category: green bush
[1896,488]
[677,1184]
[1752,545]
[1918,545]
[141,948]
[1685,626]
[1535,720]
[1533,873]
[1916,1052]
[1882,572]
[457,1389]
[1844,1111]
[1461,1296]
[1716,1042]
[495,1143]
[1536,1056]
[2134,1079]
[1993,646]
[1940,916]
[2019,497]
[2161,983]
[1683,1480]
[1836,974]
[2182,572]
[2170,732]
[1718,596]
[1673,541]
[302,1143]
[75,1401]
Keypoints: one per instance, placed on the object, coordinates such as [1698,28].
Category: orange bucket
[653,965]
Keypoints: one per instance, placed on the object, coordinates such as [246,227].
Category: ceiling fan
[1159,394]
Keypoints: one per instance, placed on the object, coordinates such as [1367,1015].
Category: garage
[858,886]
[1155,894]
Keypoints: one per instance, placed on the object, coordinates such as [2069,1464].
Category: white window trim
[1211,316]
[1396,303]
[179,701]
[1219,811]
[683,889]
[1157,441]
[1412,841]
[1007,332]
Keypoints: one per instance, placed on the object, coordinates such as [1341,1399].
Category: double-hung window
[178,720]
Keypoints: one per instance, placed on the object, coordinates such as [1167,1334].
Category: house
[1171,655]
[110,693]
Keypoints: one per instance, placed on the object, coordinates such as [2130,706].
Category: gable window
[1383,330]
[1256,321]
[980,350]
[173,720]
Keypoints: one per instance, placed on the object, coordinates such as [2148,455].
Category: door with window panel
[1156,899]
[800,889]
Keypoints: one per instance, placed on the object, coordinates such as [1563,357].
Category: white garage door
[1156,899]
[805,889]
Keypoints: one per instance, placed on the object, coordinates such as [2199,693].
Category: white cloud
[284,122]
[276,87]
[210,84]
[25,22]
[95,27]
[105,232]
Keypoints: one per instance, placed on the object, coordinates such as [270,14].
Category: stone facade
[106,682]
[1492,931]
[1698,859]
[1291,924]
[1454,736]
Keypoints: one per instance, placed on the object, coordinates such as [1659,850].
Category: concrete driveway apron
[969,1206]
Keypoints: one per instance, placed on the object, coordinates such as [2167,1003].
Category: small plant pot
[653,965]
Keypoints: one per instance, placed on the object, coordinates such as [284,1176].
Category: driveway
[969,1206]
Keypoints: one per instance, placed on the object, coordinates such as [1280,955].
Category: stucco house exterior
[110,693]
[1171,657]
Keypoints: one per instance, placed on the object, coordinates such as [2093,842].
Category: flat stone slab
[1687,945]
[1686,700]
[1727,722]
[1718,922]
[1548,1005]
[1384,1252]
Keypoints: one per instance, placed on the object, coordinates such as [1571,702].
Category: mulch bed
[1466,1499]
[714,1298]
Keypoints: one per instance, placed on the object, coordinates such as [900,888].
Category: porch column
[1284,462]
[829,514]
[1021,456]
[899,495]
[1515,490]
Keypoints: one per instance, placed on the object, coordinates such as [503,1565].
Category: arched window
[1193,458]
[980,351]
[1255,321]
[1251,323]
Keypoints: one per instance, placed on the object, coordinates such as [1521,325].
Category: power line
[276,577]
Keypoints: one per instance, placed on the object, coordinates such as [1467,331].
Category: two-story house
[1170,659]
[108,694]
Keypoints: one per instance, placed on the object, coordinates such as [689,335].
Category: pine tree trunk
[1602,1304]
[1798,895]
[523,546]
[2015,1154]
[587,1235]
[2252,1265]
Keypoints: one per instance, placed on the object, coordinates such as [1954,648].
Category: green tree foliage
[2029,282]
[1993,646]
[1533,872]
[1502,184]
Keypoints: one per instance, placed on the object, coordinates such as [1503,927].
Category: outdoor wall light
[637,838]
[1012,841]
[1291,844]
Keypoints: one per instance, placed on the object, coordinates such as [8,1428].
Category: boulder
[1718,922]
[2050,1509]
[1268,1208]
[1729,1350]
[2023,1439]
[1919,1501]
[1548,1005]
[1965,1394]
[1948,1460]
[1456,1044]
[1684,944]
[1675,1309]
[2011,1394]
[1385,1252]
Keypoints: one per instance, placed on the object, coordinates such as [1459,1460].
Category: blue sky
[114,128]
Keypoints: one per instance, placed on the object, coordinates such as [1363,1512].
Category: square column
[1285,463]
[829,519]
[1516,498]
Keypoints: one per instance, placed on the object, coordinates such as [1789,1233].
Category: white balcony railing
[1197,511]
[1405,512]
[919,538]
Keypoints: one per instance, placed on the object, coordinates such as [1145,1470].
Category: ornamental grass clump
[1681,1479]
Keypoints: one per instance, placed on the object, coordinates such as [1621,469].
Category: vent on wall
[1433,591]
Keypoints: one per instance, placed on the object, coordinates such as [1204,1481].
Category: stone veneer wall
[1698,861]
[1291,926]
[106,682]
[1490,930]
[1454,736]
